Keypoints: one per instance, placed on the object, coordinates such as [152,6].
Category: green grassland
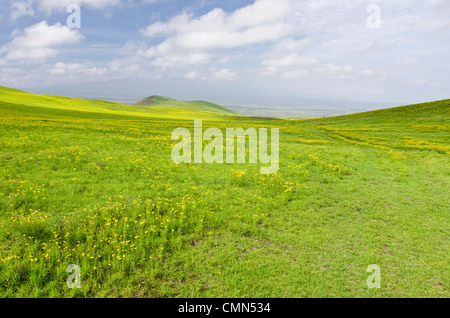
[92,183]
[48,104]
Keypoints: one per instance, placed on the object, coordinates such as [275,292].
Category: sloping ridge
[198,105]
[425,112]
[15,96]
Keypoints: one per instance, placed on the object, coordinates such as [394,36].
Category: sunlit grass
[97,188]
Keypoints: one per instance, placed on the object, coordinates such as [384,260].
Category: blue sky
[234,51]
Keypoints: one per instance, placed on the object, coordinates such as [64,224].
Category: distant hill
[198,105]
[153,100]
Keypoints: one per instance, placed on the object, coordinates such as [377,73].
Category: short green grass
[87,184]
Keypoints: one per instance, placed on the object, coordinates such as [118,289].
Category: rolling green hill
[422,127]
[424,112]
[14,96]
[198,105]
[162,107]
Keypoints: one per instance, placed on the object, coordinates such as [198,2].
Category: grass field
[92,183]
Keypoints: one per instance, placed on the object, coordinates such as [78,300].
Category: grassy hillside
[13,96]
[93,186]
[422,126]
[438,111]
[166,102]
[47,104]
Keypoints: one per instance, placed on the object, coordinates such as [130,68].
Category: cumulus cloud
[39,42]
[259,22]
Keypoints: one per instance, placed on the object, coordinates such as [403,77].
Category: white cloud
[260,22]
[224,74]
[338,69]
[367,72]
[289,66]
[292,45]
[39,42]
[72,69]
[291,61]
[11,76]
[333,68]
[21,8]
[191,75]
[181,59]
[294,74]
